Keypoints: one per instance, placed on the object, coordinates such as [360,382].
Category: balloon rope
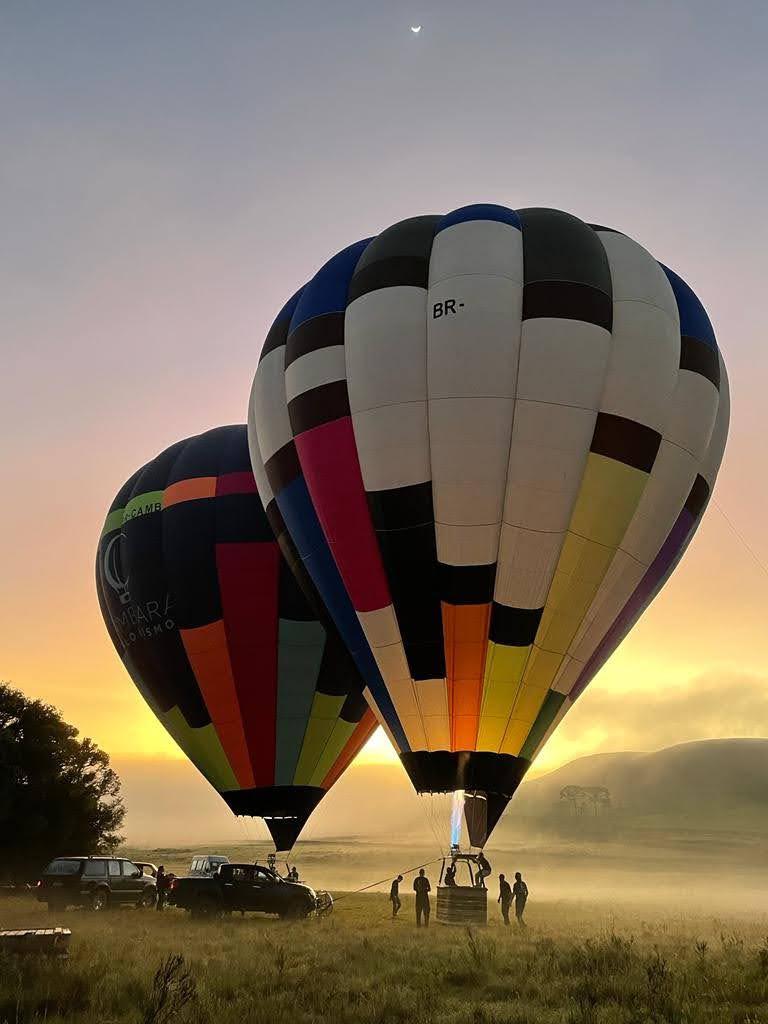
[740,537]
[381,881]
[431,820]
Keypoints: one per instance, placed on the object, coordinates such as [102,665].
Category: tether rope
[381,881]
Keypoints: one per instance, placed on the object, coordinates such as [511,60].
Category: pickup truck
[244,887]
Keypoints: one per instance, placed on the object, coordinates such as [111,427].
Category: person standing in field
[161,885]
[394,896]
[520,892]
[422,888]
[505,898]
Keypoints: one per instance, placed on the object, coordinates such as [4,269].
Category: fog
[685,830]
[724,879]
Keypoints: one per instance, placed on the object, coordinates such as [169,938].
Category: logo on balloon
[113,572]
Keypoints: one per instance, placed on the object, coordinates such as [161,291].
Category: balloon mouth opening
[447,771]
[285,809]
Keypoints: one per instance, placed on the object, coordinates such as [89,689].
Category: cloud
[710,705]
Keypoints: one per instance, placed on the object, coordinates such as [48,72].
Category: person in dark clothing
[394,896]
[293,874]
[505,898]
[161,884]
[422,888]
[520,892]
[450,875]
[483,870]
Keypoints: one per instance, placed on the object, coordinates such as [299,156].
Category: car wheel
[207,909]
[147,899]
[296,912]
[99,900]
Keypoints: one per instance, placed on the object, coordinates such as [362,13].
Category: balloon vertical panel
[286,496]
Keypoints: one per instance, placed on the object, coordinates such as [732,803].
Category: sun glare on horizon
[378,750]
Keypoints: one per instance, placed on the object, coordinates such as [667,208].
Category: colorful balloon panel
[238,662]
[491,435]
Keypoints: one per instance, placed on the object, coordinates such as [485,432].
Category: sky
[171,171]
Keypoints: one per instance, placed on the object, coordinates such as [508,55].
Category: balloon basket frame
[462,904]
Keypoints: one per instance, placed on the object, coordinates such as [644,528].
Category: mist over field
[686,828]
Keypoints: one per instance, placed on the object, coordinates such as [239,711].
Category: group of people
[518,892]
[478,878]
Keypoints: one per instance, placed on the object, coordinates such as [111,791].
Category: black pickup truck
[244,887]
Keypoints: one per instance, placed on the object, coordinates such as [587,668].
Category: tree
[576,797]
[58,794]
[579,797]
[600,797]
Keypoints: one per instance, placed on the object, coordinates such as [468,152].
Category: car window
[262,876]
[196,864]
[130,870]
[114,867]
[63,867]
[95,868]
[242,874]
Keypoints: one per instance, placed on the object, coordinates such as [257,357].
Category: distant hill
[706,783]
[709,784]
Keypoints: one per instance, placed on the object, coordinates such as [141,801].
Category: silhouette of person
[161,887]
[394,896]
[483,870]
[450,875]
[505,898]
[422,888]
[520,892]
[293,874]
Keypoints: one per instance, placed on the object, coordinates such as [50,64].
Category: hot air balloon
[491,436]
[231,654]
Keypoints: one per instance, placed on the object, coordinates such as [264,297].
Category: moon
[416,28]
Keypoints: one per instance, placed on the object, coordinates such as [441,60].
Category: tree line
[583,798]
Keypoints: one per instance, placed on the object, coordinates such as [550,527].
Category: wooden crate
[36,941]
[462,904]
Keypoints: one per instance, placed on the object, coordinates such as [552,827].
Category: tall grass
[574,965]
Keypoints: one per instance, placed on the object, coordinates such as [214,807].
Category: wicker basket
[462,904]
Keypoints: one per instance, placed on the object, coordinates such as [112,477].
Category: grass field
[576,963]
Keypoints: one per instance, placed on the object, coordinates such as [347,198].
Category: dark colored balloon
[239,663]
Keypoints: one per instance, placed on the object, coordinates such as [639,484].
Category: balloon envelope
[491,436]
[251,681]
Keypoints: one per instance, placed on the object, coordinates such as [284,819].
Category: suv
[205,865]
[94,882]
